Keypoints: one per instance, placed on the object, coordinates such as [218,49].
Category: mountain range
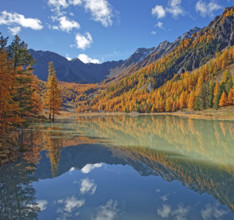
[71,71]
[173,76]
[77,71]
[169,77]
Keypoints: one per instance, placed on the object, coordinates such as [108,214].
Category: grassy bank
[224,113]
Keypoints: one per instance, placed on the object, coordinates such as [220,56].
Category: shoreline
[224,113]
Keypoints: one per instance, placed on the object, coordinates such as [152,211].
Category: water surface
[122,167]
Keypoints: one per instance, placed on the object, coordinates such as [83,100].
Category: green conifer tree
[210,94]
[218,96]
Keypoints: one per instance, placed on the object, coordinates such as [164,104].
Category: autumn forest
[20,90]
[117,110]
[151,89]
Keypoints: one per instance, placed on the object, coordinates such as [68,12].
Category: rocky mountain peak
[190,33]
[139,55]
[163,45]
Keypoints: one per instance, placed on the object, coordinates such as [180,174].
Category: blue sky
[103,30]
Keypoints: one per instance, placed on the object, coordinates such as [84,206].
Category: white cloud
[207,9]
[164,198]
[159,11]
[164,212]
[212,212]
[84,41]
[88,185]
[175,8]
[75,2]
[153,32]
[65,24]
[179,213]
[89,167]
[86,59]
[67,208]
[72,168]
[58,3]
[69,59]
[63,3]
[71,203]
[42,204]
[101,11]
[8,18]
[15,30]
[107,211]
[159,25]
[54,27]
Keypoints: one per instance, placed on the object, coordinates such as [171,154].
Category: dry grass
[224,113]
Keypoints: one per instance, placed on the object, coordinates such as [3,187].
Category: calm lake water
[122,167]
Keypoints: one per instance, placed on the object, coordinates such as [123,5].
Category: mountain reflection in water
[87,168]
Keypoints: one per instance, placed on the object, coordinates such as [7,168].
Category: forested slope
[168,85]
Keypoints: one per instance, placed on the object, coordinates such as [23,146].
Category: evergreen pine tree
[23,89]
[210,94]
[22,61]
[19,53]
[229,85]
[231,97]
[3,42]
[203,101]
[197,103]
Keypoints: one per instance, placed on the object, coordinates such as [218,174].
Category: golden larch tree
[223,101]
[182,100]
[191,101]
[8,107]
[35,96]
[169,104]
[53,99]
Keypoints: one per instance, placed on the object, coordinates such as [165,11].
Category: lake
[121,167]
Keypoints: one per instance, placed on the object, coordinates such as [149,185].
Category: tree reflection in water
[17,195]
[197,153]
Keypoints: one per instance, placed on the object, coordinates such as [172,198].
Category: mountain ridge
[187,69]
[149,67]
[76,71]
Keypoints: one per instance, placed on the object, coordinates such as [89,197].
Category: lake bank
[224,113]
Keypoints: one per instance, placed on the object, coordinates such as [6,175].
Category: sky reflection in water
[121,167]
